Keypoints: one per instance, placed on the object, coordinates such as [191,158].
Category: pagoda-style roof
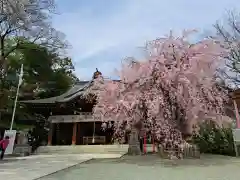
[77,90]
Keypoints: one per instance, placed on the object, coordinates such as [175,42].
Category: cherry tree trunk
[134,147]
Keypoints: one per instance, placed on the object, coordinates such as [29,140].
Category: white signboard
[12,136]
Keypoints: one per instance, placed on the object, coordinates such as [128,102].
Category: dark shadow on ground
[155,160]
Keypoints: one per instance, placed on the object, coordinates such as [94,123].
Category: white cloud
[135,22]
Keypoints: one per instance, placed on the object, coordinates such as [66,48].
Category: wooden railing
[94,140]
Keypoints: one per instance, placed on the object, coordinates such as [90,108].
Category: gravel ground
[151,167]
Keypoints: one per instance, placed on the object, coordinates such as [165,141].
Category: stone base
[134,147]
[22,150]
[134,150]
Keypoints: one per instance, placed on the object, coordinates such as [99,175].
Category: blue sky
[103,32]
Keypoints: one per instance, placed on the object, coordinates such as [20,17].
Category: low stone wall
[22,150]
[80,149]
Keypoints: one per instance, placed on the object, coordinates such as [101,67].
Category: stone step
[102,149]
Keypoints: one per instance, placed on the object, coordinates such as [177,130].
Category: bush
[215,140]
[39,133]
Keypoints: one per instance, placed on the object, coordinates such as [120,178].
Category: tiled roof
[73,92]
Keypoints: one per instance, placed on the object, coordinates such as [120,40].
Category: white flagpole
[16,98]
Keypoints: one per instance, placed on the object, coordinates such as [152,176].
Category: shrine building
[70,117]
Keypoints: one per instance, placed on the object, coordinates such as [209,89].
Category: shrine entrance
[80,133]
[62,133]
[92,133]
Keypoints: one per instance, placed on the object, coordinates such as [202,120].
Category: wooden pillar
[153,144]
[78,131]
[237,114]
[74,136]
[145,143]
[50,133]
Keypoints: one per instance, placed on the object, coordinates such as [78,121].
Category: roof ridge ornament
[96,74]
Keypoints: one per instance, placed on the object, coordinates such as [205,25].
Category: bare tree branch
[229,32]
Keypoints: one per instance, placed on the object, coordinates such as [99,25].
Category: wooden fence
[186,152]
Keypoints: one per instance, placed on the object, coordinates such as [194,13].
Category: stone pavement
[152,168]
[34,167]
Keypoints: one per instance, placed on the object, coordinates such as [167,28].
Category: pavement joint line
[88,158]
[62,169]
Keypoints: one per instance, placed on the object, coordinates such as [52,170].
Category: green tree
[26,20]
[46,73]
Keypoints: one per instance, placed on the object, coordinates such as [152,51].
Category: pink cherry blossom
[168,92]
